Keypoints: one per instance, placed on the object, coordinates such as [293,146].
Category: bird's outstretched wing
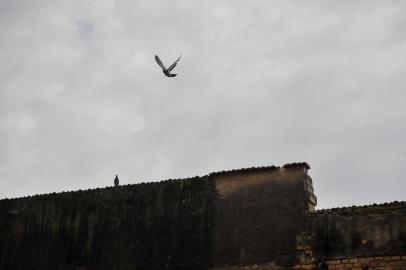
[174,63]
[159,62]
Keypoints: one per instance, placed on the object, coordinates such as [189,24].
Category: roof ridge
[89,190]
[272,167]
[366,206]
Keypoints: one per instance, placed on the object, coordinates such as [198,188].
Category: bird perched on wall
[116,181]
[167,71]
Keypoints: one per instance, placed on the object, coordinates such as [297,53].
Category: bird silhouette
[167,71]
[116,181]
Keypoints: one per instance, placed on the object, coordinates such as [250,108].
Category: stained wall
[256,218]
[260,215]
[164,225]
[355,237]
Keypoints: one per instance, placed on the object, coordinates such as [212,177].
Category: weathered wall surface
[378,230]
[257,218]
[373,263]
[350,239]
[163,225]
[260,215]
[224,219]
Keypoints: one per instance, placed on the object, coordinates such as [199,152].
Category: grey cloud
[261,83]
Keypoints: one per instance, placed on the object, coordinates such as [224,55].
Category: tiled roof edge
[367,207]
[104,188]
[265,168]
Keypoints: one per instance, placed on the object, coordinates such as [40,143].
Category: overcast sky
[260,83]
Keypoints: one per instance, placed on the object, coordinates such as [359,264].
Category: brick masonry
[373,263]
[350,263]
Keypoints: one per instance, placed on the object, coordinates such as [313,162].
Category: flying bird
[167,71]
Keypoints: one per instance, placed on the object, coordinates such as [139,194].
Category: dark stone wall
[259,216]
[375,230]
[163,225]
[228,220]
[232,218]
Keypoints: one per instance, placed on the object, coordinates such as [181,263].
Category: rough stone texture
[350,263]
[148,226]
[259,215]
[375,230]
[373,263]
[256,218]
[234,217]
